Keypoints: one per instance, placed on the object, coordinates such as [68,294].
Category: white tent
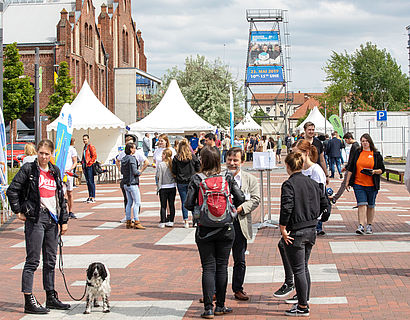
[248,125]
[319,120]
[91,117]
[172,115]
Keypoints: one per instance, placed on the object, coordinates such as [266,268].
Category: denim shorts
[365,196]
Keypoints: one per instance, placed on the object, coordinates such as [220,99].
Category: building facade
[93,36]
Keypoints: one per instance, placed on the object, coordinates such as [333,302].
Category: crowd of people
[37,194]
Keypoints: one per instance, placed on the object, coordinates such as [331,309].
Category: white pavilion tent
[319,120]
[247,124]
[173,115]
[91,117]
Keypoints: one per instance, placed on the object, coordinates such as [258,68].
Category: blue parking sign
[382,115]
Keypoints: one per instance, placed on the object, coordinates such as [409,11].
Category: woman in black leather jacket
[36,196]
[214,244]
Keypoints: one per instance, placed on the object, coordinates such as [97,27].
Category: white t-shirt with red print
[47,186]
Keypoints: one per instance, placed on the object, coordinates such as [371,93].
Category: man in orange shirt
[88,159]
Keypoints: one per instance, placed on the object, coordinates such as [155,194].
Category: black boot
[31,305]
[53,302]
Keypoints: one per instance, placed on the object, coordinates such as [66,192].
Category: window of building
[86,34]
[90,36]
[267,109]
[125,46]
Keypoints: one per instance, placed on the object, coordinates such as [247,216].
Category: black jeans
[286,264]
[41,236]
[214,253]
[167,196]
[124,194]
[298,254]
[238,252]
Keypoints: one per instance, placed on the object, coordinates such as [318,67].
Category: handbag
[97,169]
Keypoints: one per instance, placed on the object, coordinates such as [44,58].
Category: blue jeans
[365,196]
[146,153]
[133,201]
[223,158]
[337,161]
[89,177]
[183,190]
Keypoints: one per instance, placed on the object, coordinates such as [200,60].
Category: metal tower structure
[268,34]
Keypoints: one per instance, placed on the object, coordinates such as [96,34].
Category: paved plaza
[156,273]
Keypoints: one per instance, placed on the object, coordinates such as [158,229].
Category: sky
[175,29]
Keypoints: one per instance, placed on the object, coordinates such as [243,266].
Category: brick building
[93,36]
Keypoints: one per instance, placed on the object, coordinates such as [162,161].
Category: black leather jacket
[301,202]
[24,194]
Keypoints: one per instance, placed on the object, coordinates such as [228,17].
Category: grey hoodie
[163,175]
[129,170]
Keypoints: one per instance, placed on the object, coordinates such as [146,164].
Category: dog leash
[61,268]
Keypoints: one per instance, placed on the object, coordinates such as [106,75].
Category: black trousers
[124,194]
[214,253]
[285,261]
[41,236]
[167,196]
[239,247]
[298,254]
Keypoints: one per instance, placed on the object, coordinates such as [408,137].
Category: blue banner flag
[63,137]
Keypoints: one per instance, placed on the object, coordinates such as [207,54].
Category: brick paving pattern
[374,284]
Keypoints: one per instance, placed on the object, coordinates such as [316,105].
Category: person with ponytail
[184,165]
[312,170]
[302,201]
[166,188]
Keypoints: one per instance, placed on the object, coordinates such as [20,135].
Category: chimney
[103,8]
[110,9]
[78,5]
[63,14]
[71,17]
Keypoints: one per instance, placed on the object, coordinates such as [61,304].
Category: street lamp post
[408,43]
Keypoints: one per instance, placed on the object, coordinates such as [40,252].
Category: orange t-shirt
[366,160]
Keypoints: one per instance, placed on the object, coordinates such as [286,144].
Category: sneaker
[186,224]
[284,291]
[169,224]
[369,229]
[360,229]
[123,220]
[341,176]
[222,310]
[92,200]
[292,300]
[72,215]
[297,311]
[333,200]
[88,200]
[320,232]
[161,225]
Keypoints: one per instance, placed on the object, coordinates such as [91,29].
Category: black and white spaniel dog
[98,285]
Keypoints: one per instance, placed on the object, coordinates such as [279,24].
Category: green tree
[367,77]
[205,86]
[17,91]
[257,116]
[62,92]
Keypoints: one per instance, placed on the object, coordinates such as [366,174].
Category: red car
[18,153]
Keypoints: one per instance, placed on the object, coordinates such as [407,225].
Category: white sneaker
[169,224]
[186,224]
[369,229]
[123,220]
[161,225]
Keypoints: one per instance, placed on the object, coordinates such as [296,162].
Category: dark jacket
[302,201]
[24,194]
[129,170]
[378,164]
[333,148]
[193,190]
[355,146]
[184,170]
